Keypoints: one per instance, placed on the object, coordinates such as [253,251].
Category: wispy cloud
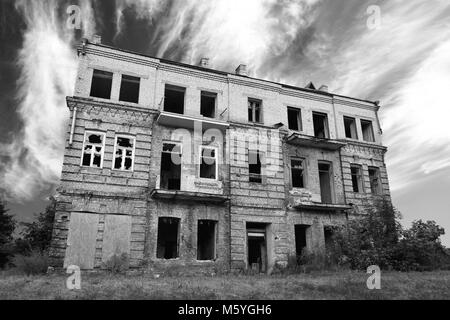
[48,69]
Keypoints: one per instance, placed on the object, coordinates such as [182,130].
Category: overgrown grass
[314,285]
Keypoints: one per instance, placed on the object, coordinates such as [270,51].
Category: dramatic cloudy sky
[403,59]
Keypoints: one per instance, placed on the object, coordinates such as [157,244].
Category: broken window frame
[172,87]
[129,79]
[87,133]
[354,131]
[376,178]
[256,177]
[254,105]
[215,238]
[358,176]
[97,73]
[124,150]
[216,160]
[298,116]
[302,169]
[208,94]
[325,124]
[371,137]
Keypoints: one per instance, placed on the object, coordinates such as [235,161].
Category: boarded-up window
[93,148]
[168,230]
[124,153]
[101,84]
[206,240]
[81,240]
[129,89]
[116,236]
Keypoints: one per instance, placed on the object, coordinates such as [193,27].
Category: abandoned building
[183,165]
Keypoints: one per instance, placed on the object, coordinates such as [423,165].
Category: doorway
[325,182]
[257,247]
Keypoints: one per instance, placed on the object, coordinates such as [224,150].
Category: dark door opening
[167,247]
[257,247]
[170,167]
[174,99]
[325,182]
[206,240]
[300,239]
[328,233]
[320,121]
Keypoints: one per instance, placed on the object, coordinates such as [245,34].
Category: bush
[34,263]
[117,263]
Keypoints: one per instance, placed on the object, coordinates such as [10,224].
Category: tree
[38,234]
[7,227]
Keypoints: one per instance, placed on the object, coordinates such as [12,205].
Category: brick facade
[126,206]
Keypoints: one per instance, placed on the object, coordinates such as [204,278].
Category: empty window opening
[208,104]
[328,234]
[174,99]
[101,84]
[325,182]
[256,247]
[206,240]
[350,128]
[367,130]
[208,163]
[124,153]
[357,182]
[254,110]
[254,166]
[297,170]
[168,229]
[374,177]
[93,149]
[295,119]
[320,121]
[129,89]
[171,167]
[300,239]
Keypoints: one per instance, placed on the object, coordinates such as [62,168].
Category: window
[357,183]
[297,171]
[93,147]
[367,131]
[350,128]
[174,99]
[123,153]
[254,166]
[374,177]
[295,119]
[206,240]
[171,166]
[320,121]
[254,110]
[101,84]
[129,89]
[208,162]
[208,104]
[325,182]
[167,245]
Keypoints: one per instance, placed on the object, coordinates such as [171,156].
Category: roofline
[225,73]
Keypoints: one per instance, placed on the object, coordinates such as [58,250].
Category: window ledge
[322,206]
[314,142]
[188,195]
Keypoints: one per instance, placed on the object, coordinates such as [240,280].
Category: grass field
[323,285]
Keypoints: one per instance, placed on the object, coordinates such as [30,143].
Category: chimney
[96,39]
[242,70]
[204,62]
[323,88]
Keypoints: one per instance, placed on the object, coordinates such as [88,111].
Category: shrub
[118,263]
[34,263]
